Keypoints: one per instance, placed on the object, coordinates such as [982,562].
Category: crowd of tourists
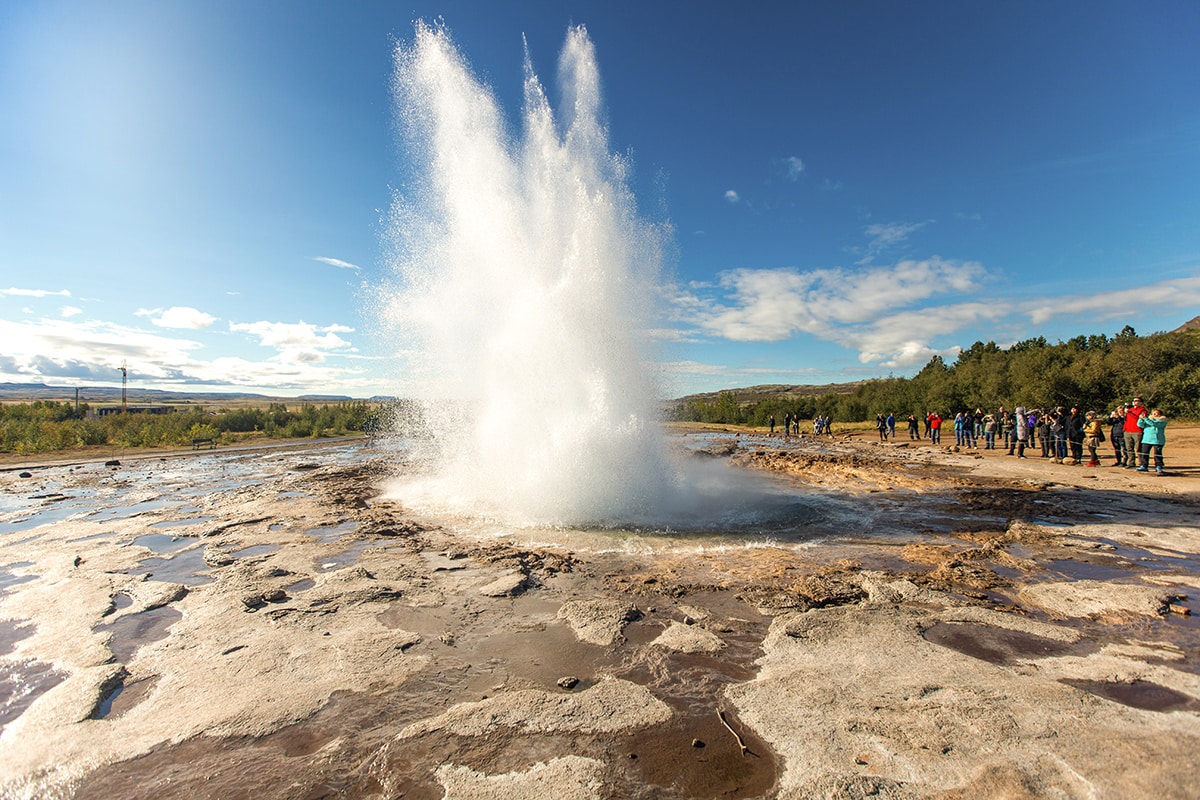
[791,425]
[1137,434]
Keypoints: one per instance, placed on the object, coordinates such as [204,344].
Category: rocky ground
[268,625]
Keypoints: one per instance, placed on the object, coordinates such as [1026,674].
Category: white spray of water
[526,282]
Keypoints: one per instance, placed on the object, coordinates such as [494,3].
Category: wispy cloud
[69,311]
[883,236]
[732,196]
[337,262]
[180,317]
[1118,303]
[33,293]
[794,167]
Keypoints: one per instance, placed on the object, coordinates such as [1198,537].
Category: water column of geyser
[526,277]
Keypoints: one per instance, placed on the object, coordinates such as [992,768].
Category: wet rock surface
[968,633]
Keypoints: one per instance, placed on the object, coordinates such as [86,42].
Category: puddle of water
[187,568]
[1138,694]
[54,513]
[290,495]
[1108,570]
[9,579]
[300,585]
[124,697]
[129,633]
[997,645]
[11,632]
[348,556]
[21,683]
[162,543]
[332,534]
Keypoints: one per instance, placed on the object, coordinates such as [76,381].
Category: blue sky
[198,189]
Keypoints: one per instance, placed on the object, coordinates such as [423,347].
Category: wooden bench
[209,443]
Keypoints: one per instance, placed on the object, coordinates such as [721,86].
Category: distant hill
[28,392]
[753,394]
[1192,324]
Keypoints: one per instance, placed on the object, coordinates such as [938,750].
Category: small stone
[568,682]
[25,475]
[216,557]
[861,759]
[632,756]
[1176,608]
[253,602]
[275,596]
[505,586]
[697,743]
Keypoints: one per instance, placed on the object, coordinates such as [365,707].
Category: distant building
[105,411]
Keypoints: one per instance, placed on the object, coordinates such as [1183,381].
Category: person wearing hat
[1093,435]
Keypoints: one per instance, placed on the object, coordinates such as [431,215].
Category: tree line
[47,425]
[1094,372]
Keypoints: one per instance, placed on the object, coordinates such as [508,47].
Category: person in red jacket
[935,428]
[1133,433]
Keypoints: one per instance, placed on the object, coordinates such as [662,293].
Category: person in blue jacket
[1154,436]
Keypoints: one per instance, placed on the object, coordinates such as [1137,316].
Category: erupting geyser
[527,280]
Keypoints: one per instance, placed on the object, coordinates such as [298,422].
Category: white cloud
[299,342]
[732,196]
[181,317]
[70,311]
[33,293]
[771,305]
[337,262]
[58,351]
[870,310]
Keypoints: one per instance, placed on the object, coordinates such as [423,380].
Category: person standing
[1154,436]
[935,428]
[1043,433]
[1058,434]
[771,422]
[1021,431]
[881,426]
[1116,423]
[989,432]
[1075,434]
[914,433]
[1093,431]
[1132,432]
[891,425]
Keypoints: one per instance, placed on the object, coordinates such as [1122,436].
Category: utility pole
[76,402]
[124,379]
